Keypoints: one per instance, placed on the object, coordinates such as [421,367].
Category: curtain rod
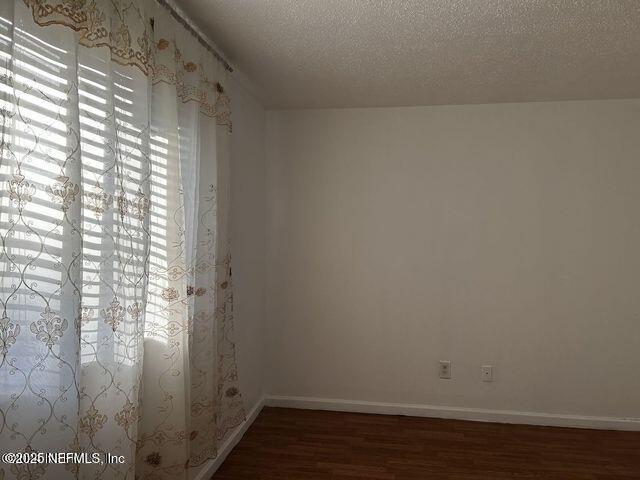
[187,25]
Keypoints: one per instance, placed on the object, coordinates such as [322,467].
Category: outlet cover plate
[487,373]
[444,369]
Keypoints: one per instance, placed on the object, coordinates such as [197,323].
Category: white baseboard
[210,467]
[457,413]
[433,411]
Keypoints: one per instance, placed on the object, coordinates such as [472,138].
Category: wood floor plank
[295,444]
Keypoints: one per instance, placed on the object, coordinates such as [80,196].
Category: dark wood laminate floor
[306,444]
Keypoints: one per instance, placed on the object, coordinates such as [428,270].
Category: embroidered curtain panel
[115,275]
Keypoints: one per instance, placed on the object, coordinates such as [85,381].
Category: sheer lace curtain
[115,275]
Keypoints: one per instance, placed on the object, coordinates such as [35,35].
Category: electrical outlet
[444,369]
[487,373]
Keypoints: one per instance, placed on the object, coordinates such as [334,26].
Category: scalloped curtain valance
[142,33]
[116,294]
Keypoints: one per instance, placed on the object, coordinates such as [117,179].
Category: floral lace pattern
[191,81]
[8,333]
[120,25]
[126,28]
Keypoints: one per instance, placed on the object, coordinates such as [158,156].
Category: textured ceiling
[346,53]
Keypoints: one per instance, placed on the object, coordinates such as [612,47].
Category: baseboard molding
[209,468]
[457,413]
[415,410]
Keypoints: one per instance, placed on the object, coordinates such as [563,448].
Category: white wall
[489,234]
[248,240]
